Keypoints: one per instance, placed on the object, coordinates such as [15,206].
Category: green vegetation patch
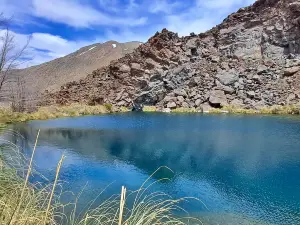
[149,109]
[185,110]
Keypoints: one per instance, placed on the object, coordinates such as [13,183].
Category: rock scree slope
[251,60]
[52,75]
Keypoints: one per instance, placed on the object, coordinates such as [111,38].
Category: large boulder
[226,89]
[136,70]
[171,105]
[228,77]
[198,102]
[124,68]
[147,98]
[205,108]
[291,71]
[180,92]
[218,99]
[295,6]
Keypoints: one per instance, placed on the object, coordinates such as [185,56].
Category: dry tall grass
[52,112]
[24,203]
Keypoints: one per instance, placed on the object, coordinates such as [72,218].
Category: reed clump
[22,202]
[149,109]
[184,110]
[277,109]
[52,112]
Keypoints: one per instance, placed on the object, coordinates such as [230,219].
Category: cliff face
[250,60]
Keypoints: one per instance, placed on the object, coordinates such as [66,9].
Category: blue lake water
[245,169]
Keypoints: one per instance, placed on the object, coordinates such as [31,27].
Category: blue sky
[59,27]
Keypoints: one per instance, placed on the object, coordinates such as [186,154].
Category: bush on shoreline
[53,112]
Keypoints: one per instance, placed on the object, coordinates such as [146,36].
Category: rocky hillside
[51,75]
[251,60]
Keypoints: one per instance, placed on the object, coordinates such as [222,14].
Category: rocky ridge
[251,60]
[73,67]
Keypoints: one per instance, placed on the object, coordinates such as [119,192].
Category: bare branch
[10,59]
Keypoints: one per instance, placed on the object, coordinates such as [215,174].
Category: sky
[60,27]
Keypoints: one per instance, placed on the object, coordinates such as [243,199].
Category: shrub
[108,107]
[149,108]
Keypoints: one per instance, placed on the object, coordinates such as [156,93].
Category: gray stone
[228,77]
[193,82]
[169,99]
[147,98]
[241,94]
[121,103]
[180,92]
[185,105]
[290,98]
[218,98]
[155,77]
[291,71]
[192,94]
[205,108]
[295,6]
[172,105]
[256,78]
[251,94]
[124,68]
[259,105]
[261,69]
[215,59]
[198,102]
[143,84]
[180,99]
[135,66]
[226,89]
[237,103]
[192,43]
[241,81]
[224,66]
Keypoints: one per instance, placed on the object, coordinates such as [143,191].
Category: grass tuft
[184,110]
[53,112]
[24,203]
[147,108]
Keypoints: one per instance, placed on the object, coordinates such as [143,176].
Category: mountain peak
[73,67]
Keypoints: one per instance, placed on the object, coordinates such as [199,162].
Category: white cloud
[216,4]
[126,35]
[45,47]
[76,14]
[163,6]
[178,16]
[203,15]
[109,5]
[184,25]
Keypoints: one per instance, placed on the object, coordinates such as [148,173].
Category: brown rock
[291,71]
[218,98]
[136,69]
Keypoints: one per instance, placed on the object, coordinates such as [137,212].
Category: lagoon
[244,169]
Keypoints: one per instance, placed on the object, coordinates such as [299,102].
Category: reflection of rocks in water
[230,157]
